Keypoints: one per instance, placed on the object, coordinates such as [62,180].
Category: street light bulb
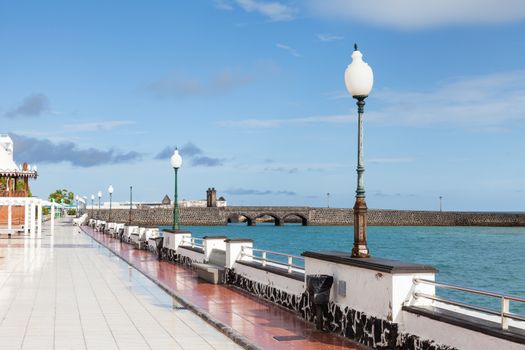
[110,189]
[92,197]
[99,194]
[359,77]
[176,159]
[76,197]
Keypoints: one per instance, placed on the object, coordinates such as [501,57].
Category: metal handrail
[290,266]
[505,299]
[276,253]
[193,241]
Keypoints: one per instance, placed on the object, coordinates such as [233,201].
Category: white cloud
[223,5]
[276,11]
[290,49]
[487,102]
[418,13]
[97,126]
[329,37]
[273,123]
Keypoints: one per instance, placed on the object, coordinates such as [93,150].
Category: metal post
[328,200]
[98,211]
[110,197]
[440,203]
[504,310]
[175,205]
[360,249]
[130,203]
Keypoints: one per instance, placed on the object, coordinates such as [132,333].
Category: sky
[252,93]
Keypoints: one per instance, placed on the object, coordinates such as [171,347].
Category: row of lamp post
[176,163]
[359,80]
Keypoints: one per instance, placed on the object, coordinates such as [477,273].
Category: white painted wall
[375,293]
[444,333]
[213,243]
[173,240]
[193,255]
[289,285]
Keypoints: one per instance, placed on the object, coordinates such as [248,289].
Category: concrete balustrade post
[213,242]
[234,249]
[377,287]
[173,238]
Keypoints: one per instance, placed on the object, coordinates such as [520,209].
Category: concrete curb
[223,328]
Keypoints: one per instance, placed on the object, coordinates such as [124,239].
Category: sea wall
[312,216]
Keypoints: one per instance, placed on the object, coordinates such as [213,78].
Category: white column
[26,216]
[52,217]
[40,219]
[9,218]
[32,218]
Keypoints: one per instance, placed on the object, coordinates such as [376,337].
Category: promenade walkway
[68,292]
[247,318]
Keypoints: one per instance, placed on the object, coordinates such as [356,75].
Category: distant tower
[211,198]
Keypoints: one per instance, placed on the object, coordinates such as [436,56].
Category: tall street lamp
[110,191]
[130,202]
[99,194]
[359,80]
[92,199]
[76,213]
[176,162]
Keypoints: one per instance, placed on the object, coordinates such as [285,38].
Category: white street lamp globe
[99,194]
[359,77]
[76,197]
[92,197]
[110,189]
[176,159]
[35,168]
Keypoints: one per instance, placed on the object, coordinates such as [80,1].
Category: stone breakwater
[310,216]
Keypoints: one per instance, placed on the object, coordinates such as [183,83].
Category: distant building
[14,180]
[166,202]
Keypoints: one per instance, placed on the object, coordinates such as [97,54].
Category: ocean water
[489,258]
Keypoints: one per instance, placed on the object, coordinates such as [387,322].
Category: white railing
[262,258]
[504,312]
[192,242]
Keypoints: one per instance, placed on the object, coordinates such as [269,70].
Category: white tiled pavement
[55,295]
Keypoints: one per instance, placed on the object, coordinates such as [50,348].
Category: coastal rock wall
[312,216]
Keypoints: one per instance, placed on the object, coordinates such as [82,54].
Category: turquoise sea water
[490,258]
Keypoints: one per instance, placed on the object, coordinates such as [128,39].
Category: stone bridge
[280,215]
[309,216]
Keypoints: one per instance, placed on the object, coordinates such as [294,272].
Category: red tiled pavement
[256,320]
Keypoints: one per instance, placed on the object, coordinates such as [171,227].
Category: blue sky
[252,91]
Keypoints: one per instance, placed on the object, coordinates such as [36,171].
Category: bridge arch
[235,217]
[276,218]
[304,220]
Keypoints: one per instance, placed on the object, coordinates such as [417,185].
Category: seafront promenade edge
[251,322]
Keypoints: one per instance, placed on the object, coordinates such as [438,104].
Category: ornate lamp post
[99,194]
[110,191]
[76,213]
[130,202]
[92,199]
[359,80]
[176,162]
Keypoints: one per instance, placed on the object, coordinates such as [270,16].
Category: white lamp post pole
[359,80]
[176,163]
[99,194]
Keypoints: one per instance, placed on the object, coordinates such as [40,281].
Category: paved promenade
[250,319]
[68,292]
